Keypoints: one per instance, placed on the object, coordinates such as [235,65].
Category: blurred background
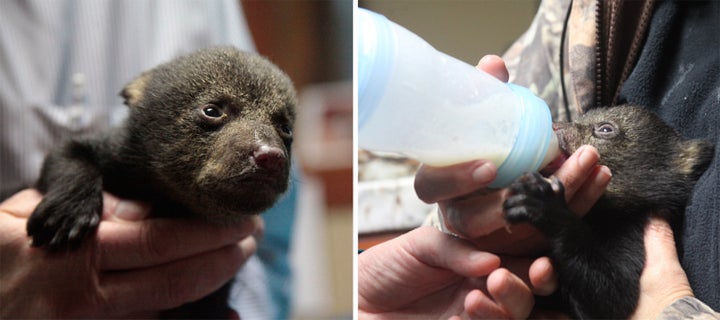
[312,42]
[465,29]
[63,62]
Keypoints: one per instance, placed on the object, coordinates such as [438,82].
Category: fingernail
[484,174]
[604,175]
[248,246]
[586,158]
[499,282]
[484,261]
[480,256]
[485,59]
[130,210]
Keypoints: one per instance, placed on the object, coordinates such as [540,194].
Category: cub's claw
[61,223]
[535,200]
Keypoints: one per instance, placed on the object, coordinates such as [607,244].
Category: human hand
[428,274]
[474,212]
[663,281]
[132,265]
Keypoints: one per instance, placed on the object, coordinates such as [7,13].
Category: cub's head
[649,160]
[216,127]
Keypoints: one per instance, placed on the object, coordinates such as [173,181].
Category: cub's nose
[270,158]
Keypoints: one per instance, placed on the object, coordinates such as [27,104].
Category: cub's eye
[211,114]
[605,131]
[283,125]
[212,111]
[285,128]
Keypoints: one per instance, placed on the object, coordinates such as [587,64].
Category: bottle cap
[375,43]
[534,137]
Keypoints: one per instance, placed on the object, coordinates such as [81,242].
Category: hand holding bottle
[474,212]
[422,103]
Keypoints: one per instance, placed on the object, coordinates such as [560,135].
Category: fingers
[590,191]
[510,290]
[510,293]
[459,189]
[662,266]
[409,268]
[584,183]
[126,245]
[476,214]
[434,184]
[538,274]
[115,208]
[578,167]
[437,249]
[574,174]
[173,284]
[662,280]
[507,297]
[177,260]
[471,211]
[22,204]
[495,66]
[542,277]
[467,207]
[660,242]
[479,305]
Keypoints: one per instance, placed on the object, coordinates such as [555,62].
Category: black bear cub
[208,135]
[599,258]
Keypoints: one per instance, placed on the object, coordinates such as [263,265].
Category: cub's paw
[535,200]
[63,222]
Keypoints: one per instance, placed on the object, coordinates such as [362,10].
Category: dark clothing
[663,55]
[678,76]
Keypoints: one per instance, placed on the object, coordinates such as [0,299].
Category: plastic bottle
[427,105]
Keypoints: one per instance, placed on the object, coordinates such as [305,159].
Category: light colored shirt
[64,62]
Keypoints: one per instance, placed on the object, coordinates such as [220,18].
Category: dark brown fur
[208,135]
[599,258]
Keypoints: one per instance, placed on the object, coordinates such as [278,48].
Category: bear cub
[599,258]
[208,135]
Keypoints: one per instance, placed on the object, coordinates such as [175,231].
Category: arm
[72,204]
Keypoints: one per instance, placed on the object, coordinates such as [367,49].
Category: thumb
[659,243]
[439,250]
[495,66]
[663,281]
[115,208]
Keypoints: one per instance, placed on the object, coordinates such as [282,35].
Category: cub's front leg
[599,267]
[72,204]
[541,203]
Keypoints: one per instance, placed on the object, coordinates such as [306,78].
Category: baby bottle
[424,104]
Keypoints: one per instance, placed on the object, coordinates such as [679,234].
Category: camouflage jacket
[571,61]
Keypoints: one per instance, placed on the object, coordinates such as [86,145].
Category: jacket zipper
[599,53]
[610,45]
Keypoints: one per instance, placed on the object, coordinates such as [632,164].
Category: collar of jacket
[604,39]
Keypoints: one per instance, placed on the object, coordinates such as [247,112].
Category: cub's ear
[133,91]
[694,157]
